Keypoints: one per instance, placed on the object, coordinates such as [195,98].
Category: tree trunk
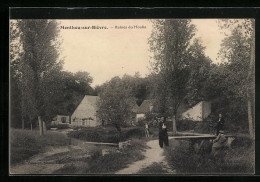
[119,130]
[40,125]
[30,122]
[44,128]
[22,122]
[249,90]
[250,119]
[174,130]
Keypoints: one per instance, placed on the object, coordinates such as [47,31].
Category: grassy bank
[238,160]
[26,143]
[107,164]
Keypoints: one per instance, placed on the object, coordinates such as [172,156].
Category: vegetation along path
[53,159]
[153,155]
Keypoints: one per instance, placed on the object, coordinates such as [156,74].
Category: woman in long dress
[163,135]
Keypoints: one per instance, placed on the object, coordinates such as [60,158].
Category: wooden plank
[191,134]
[192,137]
[196,137]
[100,143]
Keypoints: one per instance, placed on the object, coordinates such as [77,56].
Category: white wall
[194,113]
[206,109]
[140,116]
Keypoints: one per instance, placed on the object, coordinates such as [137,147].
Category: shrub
[185,125]
[141,122]
[132,133]
[236,160]
[204,127]
[109,135]
[197,126]
[58,126]
[96,153]
[242,141]
[85,134]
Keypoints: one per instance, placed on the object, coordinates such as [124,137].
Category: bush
[96,153]
[58,126]
[132,133]
[242,141]
[236,160]
[85,134]
[108,134]
[141,122]
[185,125]
[197,126]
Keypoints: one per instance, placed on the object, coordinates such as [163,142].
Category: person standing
[146,130]
[163,135]
[220,123]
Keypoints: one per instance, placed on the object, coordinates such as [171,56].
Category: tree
[39,57]
[115,103]
[14,53]
[199,71]
[238,49]
[139,87]
[170,42]
[61,91]
[64,91]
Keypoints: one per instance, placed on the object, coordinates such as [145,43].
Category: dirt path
[152,155]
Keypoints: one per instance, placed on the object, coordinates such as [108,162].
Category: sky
[121,48]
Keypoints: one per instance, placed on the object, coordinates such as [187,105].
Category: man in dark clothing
[220,123]
[163,135]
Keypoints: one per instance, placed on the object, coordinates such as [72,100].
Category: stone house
[85,113]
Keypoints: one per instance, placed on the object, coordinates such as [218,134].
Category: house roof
[143,108]
[87,105]
[93,100]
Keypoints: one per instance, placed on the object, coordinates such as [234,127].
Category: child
[146,130]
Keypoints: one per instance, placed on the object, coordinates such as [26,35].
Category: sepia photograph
[132,96]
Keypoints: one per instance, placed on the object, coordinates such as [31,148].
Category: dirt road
[153,155]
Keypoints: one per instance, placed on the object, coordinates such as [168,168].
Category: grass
[238,160]
[155,168]
[26,143]
[107,164]
[108,134]
[80,159]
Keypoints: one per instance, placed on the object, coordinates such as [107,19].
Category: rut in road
[154,154]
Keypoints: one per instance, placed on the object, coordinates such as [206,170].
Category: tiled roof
[144,107]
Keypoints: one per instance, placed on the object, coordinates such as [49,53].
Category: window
[63,119]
